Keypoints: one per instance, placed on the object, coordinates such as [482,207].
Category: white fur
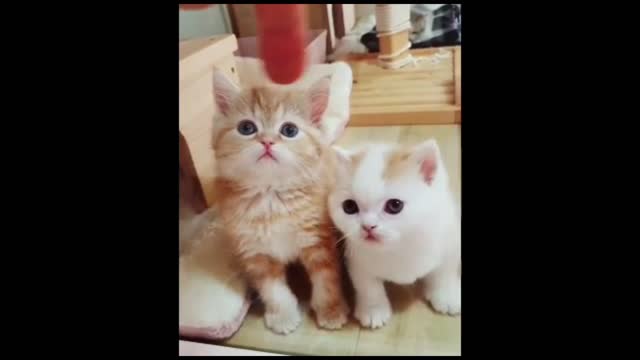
[422,242]
[282,314]
[212,290]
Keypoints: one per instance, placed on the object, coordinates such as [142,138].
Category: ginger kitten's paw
[283,321]
[446,299]
[333,317]
[373,316]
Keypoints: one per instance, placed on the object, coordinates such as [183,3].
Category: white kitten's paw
[283,321]
[374,316]
[446,300]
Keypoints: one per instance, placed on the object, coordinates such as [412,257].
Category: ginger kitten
[401,224]
[274,168]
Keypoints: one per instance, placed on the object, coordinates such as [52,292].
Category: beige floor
[414,328]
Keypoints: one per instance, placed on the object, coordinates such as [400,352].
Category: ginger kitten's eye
[393,206]
[289,130]
[247,127]
[350,207]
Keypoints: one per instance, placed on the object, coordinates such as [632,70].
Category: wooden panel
[415,52]
[320,17]
[420,93]
[331,29]
[394,116]
[243,19]
[457,71]
[199,55]
[197,61]
[344,17]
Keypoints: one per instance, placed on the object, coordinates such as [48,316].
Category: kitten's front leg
[443,288]
[372,304]
[327,299]
[267,276]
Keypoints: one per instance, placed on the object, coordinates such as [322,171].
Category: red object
[195,6]
[281,38]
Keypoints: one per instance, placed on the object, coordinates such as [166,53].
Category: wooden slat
[402,99]
[457,74]
[430,89]
[388,85]
[243,19]
[414,52]
[401,78]
[404,115]
[443,66]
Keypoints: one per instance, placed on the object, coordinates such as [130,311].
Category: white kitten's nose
[368,228]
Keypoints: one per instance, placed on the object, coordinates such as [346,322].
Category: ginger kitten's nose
[266,143]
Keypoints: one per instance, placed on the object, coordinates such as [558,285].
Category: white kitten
[401,224]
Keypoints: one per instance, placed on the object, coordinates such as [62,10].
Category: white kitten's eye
[393,206]
[289,130]
[350,207]
[247,127]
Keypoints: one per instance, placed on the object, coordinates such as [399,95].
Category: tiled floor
[414,328]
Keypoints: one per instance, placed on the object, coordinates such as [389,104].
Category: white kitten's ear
[343,162]
[427,155]
[319,96]
[224,91]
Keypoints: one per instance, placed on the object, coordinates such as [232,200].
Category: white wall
[213,21]
[364,9]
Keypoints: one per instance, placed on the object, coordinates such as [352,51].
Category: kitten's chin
[262,173]
[372,242]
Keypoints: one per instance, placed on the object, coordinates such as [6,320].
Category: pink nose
[368,228]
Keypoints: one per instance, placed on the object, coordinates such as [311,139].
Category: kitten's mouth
[371,238]
[267,155]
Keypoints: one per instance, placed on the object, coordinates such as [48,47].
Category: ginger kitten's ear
[343,156]
[224,91]
[319,96]
[427,155]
